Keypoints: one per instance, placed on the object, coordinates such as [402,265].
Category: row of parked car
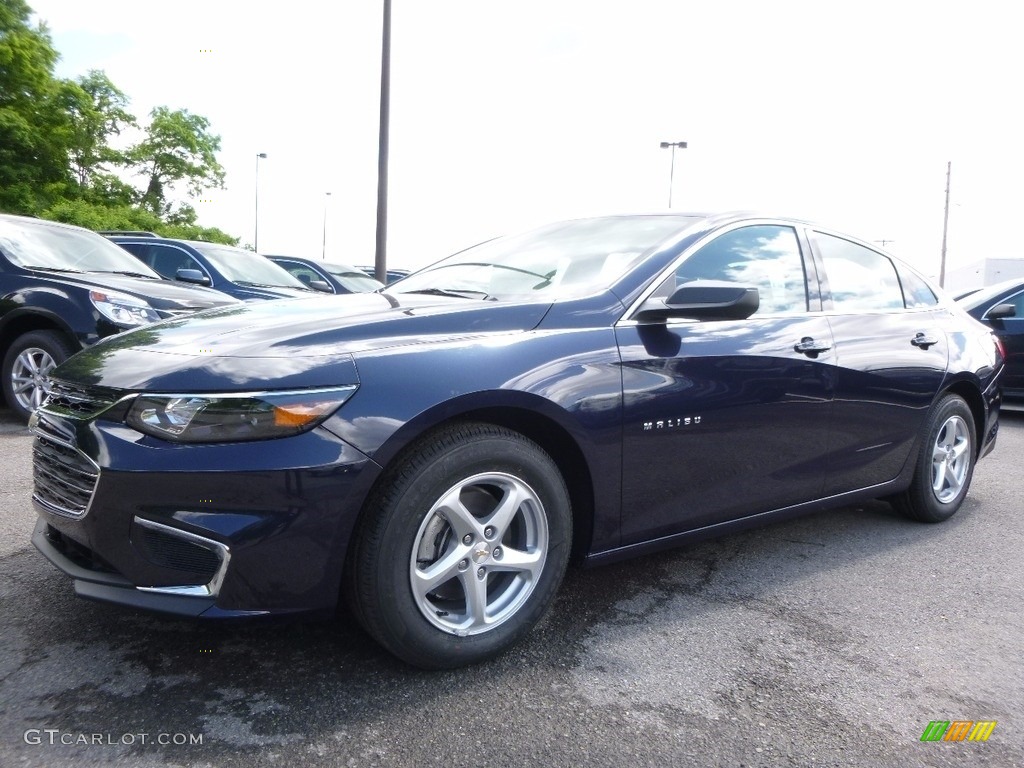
[62,288]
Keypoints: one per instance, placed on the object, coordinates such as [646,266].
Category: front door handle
[923,340]
[808,346]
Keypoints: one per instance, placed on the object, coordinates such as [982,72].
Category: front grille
[63,477]
[73,400]
[172,551]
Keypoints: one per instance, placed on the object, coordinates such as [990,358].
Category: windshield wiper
[458,293]
[53,269]
[124,272]
[250,284]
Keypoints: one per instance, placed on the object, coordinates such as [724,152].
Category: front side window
[766,257]
[167,260]
[1018,302]
[301,271]
[858,277]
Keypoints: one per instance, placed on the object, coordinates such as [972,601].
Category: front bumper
[215,530]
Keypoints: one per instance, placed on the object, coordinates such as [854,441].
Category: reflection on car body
[436,453]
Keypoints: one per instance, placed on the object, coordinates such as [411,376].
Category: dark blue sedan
[437,453]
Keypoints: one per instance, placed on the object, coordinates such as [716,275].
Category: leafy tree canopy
[56,154]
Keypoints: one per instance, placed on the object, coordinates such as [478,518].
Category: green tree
[33,125]
[178,150]
[98,110]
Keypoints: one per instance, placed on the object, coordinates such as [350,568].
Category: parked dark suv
[243,274]
[63,288]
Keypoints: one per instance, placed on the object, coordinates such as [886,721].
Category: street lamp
[256,232]
[672,167]
[323,252]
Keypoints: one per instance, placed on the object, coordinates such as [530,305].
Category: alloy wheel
[479,553]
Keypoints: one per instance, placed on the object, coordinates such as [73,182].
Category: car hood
[287,343]
[159,294]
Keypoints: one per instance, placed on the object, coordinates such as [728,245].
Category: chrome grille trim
[211,589]
[77,402]
[64,479]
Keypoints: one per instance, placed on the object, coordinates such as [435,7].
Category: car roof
[985,295]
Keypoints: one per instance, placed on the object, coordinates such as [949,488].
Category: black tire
[945,464]
[409,532]
[28,359]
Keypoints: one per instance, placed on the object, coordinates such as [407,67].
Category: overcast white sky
[506,114]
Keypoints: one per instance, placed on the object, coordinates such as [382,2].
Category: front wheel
[945,464]
[27,365]
[463,547]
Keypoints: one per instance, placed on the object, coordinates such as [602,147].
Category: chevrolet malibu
[437,453]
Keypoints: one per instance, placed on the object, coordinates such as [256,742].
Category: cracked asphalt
[831,640]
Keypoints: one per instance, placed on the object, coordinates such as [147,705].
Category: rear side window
[858,277]
[916,292]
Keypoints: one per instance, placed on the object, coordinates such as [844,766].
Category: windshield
[240,266]
[567,259]
[38,245]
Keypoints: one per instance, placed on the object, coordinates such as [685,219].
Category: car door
[891,355]
[727,418]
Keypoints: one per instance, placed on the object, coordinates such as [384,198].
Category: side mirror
[703,300]
[320,285]
[1001,312]
[192,276]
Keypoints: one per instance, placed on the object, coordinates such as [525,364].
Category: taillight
[999,347]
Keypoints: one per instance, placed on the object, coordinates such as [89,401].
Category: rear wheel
[945,464]
[27,366]
[463,549]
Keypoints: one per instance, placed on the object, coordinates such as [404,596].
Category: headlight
[123,309]
[203,418]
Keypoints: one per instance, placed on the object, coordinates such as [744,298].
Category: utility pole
[381,258]
[945,229]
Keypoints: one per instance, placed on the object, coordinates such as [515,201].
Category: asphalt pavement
[832,640]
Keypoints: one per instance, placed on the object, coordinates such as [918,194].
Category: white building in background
[983,273]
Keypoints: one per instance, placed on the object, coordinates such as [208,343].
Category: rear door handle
[808,346]
[923,340]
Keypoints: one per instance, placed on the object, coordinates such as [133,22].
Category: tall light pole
[672,166]
[256,228]
[323,253]
[380,260]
